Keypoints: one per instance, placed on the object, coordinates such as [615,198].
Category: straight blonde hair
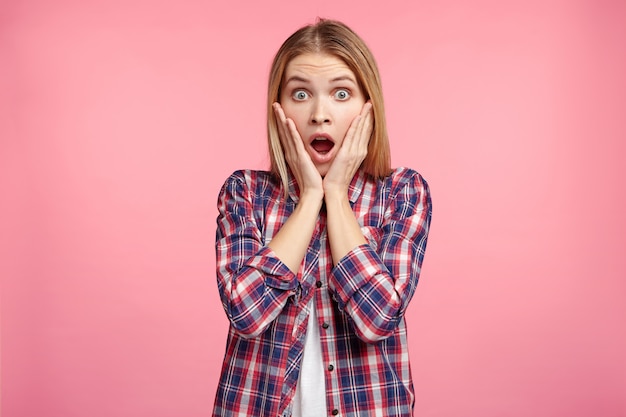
[337,39]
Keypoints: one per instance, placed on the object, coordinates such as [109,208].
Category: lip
[319,158]
[320,135]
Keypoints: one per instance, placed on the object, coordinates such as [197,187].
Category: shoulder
[251,183]
[408,192]
[402,178]
[252,179]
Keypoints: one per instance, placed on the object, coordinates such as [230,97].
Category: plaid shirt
[360,302]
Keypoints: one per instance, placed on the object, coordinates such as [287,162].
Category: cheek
[297,120]
[292,112]
[349,115]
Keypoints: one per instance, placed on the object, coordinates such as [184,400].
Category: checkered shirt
[360,302]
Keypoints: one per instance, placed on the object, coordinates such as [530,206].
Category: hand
[351,154]
[302,167]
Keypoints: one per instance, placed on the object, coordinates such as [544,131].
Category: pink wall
[120,120]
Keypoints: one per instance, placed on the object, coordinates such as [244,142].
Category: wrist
[335,195]
[312,197]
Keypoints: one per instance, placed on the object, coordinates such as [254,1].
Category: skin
[321,96]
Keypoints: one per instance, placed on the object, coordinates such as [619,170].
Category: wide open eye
[342,94]
[300,95]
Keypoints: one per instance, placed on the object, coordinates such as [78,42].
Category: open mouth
[322,145]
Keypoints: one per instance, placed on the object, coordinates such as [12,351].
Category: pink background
[120,120]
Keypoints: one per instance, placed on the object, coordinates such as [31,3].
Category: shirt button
[325,325]
[318,284]
[335,412]
[331,367]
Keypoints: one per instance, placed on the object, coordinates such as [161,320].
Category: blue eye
[342,94]
[300,95]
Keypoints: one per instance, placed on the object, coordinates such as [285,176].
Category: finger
[280,122]
[353,141]
[364,128]
[366,120]
[290,131]
[295,153]
[293,132]
[348,141]
[367,108]
[286,133]
[358,138]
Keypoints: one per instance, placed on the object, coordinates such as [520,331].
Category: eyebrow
[343,78]
[297,78]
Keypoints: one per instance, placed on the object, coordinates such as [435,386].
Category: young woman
[318,258]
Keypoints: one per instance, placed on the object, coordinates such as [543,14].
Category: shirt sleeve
[374,282]
[254,284]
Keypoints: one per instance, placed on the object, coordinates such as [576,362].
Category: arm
[291,242]
[374,282]
[254,283]
[344,231]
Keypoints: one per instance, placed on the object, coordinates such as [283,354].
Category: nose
[319,113]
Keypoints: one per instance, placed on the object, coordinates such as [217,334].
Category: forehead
[317,65]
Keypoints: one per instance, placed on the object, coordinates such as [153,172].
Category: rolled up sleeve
[254,284]
[374,282]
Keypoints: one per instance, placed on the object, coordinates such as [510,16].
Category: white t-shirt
[310,398]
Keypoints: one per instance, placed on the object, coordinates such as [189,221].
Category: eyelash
[342,90]
[295,95]
[335,94]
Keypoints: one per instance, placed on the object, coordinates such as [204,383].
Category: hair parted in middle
[333,38]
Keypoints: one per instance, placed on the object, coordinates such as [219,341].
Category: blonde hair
[337,39]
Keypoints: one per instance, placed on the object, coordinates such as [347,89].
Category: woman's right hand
[307,176]
[292,240]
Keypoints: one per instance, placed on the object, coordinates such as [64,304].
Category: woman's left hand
[351,154]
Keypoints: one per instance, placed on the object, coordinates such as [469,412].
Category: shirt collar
[354,189]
